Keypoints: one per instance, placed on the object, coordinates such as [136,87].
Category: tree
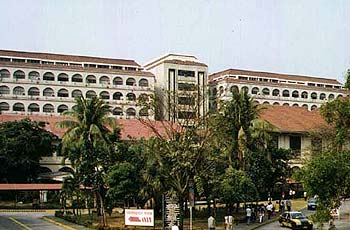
[22,144]
[347,80]
[88,142]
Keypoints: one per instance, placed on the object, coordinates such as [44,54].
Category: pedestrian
[282,206]
[211,222]
[261,213]
[276,207]
[289,205]
[249,214]
[228,222]
[269,209]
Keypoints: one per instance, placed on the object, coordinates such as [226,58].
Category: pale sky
[306,37]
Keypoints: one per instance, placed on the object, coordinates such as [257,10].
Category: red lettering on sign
[134,219]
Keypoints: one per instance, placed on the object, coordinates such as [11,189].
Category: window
[275,92]
[34,76]
[62,93]
[143,82]
[117,67]
[313,107]
[304,95]
[4,73]
[49,76]
[186,101]
[4,106]
[234,89]
[104,80]
[33,91]
[104,95]
[295,144]
[33,108]
[90,94]
[130,112]
[130,81]
[242,78]
[276,104]
[266,91]
[4,90]
[186,115]
[48,92]
[331,96]
[47,62]
[118,81]
[77,93]
[19,74]
[5,59]
[322,96]
[62,108]
[245,89]
[131,97]
[77,78]
[62,77]
[255,90]
[103,66]
[311,84]
[295,94]
[305,106]
[285,93]
[118,111]
[18,107]
[185,73]
[48,108]
[130,68]
[117,96]
[314,95]
[186,86]
[18,91]
[62,63]
[18,60]
[91,79]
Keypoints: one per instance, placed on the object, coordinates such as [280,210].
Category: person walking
[211,222]
[228,222]
[269,209]
[289,205]
[249,214]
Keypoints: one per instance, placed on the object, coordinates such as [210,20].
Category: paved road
[26,220]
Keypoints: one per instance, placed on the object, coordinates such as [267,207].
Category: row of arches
[312,107]
[63,77]
[49,108]
[49,92]
[279,93]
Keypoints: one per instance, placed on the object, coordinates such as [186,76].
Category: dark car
[311,204]
[295,220]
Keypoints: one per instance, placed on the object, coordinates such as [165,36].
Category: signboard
[139,217]
[172,211]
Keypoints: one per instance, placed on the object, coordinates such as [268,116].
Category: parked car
[295,220]
[311,204]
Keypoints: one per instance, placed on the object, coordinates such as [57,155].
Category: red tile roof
[272,75]
[293,119]
[30,187]
[69,58]
[131,129]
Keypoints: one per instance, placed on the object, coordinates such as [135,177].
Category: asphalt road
[26,220]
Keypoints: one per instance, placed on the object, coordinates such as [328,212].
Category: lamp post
[191,199]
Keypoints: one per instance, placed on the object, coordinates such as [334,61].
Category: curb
[58,223]
[26,210]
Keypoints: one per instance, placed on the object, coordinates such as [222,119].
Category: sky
[303,37]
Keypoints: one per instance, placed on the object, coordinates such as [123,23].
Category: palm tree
[90,132]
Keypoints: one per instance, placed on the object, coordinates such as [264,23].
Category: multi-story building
[46,84]
[181,84]
[274,88]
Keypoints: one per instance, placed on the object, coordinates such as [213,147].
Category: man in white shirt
[211,222]
[249,214]
[269,209]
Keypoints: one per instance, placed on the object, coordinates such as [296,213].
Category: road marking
[59,224]
[19,223]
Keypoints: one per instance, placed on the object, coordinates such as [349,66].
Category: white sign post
[139,217]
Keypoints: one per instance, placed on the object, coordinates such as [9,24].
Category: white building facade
[275,89]
[178,79]
[46,84]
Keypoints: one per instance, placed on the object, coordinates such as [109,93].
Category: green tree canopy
[22,144]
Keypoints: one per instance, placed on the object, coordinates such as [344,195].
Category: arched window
[19,74]
[48,92]
[221,90]
[143,112]
[48,108]
[266,103]
[285,93]
[130,81]
[33,107]
[131,97]
[285,104]
[117,111]
[18,90]
[255,90]
[295,94]
[234,88]
[331,96]
[256,102]
[245,89]
[62,77]
[117,96]
[34,76]
[276,103]
[215,92]
[104,95]
[143,82]
[339,96]
[91,79]
[275,92]
[314,95]
[295,105]
[313,107]
[48,76]
[77,78]
[104,80]
[62,108]
[118,81]
[322,96]
[18,107]
[4,90]
[77,93]
[304,95]
[305,106]
[33,91]
[90,94]
[62,93]
[4,73]
[130,112]
[266,91]
[4,106]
